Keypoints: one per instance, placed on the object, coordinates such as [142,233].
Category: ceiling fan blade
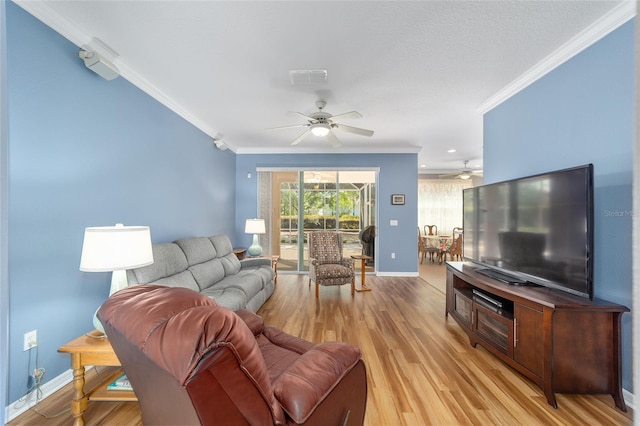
[351,129]
[299,139]
[350,114]
[287,127]
[333,140]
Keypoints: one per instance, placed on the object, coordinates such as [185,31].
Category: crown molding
[342,150]
[81,37]
[599,29]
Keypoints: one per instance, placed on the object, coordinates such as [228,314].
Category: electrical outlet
[393,255]
[30,340]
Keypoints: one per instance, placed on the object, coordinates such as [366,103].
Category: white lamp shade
[114,248]
[254,226]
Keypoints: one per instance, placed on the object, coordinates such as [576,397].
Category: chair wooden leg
[353,286]
[317,292]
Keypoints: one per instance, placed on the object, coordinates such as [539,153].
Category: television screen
[537,229]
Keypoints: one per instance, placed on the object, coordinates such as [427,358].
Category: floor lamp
[115,249]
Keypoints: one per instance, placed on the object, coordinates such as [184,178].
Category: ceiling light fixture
[320,129]
[451,151]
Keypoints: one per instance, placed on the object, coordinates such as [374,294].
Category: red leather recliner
[192,361]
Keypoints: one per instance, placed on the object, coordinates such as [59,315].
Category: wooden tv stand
[563,343]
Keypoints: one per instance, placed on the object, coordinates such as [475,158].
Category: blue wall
[582,112]
[84,151]
[397,175]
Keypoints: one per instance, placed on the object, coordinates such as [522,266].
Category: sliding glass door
[295,203]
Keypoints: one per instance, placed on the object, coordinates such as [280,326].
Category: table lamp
[255,227]
[115,249]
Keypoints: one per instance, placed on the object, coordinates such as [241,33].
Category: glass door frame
[269,181]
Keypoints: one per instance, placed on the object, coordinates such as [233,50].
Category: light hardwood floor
[421,368]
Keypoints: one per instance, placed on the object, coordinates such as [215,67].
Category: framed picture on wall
[397,199]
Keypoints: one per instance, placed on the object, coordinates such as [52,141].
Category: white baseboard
[16,408]
[629,399]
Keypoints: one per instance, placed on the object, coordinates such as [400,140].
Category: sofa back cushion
[169,268]
[209,259]
[224,251]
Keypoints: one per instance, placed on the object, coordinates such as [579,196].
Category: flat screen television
[534,230]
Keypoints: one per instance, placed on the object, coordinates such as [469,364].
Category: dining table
[438,244]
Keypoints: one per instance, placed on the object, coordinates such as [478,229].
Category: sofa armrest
[308,381]
[253,321]
[254,262]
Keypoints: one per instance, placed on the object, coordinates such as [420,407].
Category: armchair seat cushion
[333,274]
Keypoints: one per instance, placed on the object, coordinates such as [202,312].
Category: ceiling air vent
[307,77]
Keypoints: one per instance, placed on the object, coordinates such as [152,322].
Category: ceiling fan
[322,123]
[465,173]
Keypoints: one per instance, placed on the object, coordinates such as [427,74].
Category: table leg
[363,286]
[274,266]
[80,399]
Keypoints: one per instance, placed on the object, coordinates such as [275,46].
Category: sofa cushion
[249,283]
[208,273]
[181,279]
[224,251]
[197,249]
[230,297]
[168,260]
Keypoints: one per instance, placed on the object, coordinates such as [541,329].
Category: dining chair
[430,230]
[455,249]
[424,247]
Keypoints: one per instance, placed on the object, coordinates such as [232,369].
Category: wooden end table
[363,259]
[91,349]
[240,252]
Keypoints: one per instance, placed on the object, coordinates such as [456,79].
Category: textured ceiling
[420,72]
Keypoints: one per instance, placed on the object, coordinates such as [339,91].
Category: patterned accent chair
[326,264]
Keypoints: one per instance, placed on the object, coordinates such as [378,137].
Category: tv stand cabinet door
[528,344]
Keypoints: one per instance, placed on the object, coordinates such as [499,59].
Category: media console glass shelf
[563,343]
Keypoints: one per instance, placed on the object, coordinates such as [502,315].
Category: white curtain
[440,203]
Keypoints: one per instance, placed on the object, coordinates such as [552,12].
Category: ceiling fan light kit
[321,123]
[320,129]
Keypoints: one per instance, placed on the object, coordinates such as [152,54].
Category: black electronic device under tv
[537,229]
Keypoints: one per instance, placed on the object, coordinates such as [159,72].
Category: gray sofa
[209,266]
